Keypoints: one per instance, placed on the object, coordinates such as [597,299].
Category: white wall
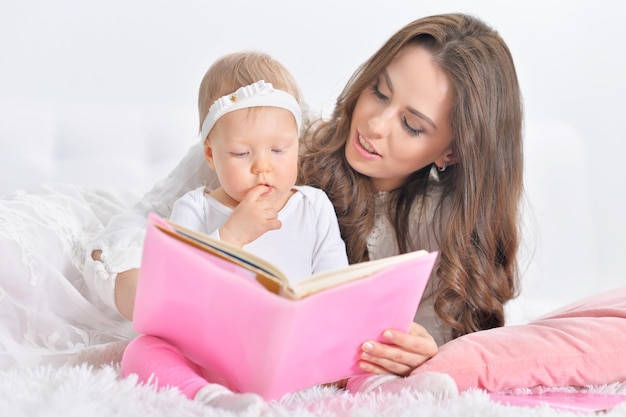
[131,54]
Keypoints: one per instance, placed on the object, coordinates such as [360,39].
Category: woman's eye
[377,93]
[412,131]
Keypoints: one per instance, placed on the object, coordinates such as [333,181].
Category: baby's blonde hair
[238,69]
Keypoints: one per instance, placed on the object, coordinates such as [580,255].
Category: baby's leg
[154,360]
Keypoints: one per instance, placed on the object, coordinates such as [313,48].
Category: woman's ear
[447,158]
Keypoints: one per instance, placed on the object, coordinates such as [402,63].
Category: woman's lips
[364,148]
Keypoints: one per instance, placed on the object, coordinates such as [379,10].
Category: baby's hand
[253,216]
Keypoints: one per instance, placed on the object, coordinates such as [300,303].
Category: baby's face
[255,146]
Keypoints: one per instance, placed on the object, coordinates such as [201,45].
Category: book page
[326,279]
[267,274]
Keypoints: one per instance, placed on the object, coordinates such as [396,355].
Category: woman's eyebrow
[411,109]
[422,116]
[387,80]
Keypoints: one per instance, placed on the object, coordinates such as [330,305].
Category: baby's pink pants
[155,361]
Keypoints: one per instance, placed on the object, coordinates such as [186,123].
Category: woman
[424,151]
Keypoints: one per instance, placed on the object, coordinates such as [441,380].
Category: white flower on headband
[259,94]
[222,103]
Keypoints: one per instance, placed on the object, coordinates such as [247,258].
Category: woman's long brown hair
[480,194]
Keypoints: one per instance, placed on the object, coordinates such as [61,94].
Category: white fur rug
[100,392]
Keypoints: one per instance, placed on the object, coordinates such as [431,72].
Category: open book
[268,274]
[237,316]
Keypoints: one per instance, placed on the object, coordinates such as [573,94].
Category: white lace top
[382,243]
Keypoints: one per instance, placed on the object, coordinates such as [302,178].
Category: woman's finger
[391,358]
[401,354]
[385,367]
[417,340]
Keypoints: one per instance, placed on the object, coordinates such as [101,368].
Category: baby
[250,133]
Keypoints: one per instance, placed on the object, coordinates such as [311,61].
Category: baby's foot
[436,383]
[218,396]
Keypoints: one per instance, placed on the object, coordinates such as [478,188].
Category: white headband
[259,94]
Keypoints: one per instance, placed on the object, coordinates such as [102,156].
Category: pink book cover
[252,340]
[573,401]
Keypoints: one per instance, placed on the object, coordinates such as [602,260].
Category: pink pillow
[580,344]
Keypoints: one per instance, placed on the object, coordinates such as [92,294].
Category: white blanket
[84,391]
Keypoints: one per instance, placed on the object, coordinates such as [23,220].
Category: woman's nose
[379,124]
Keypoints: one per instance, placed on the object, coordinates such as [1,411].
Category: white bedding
[99,392]
[48,314]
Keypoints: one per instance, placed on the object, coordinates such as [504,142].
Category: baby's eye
[278,150]
[239,154]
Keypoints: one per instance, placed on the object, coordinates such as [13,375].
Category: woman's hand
[402,354]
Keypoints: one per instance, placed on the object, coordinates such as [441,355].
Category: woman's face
[401,123]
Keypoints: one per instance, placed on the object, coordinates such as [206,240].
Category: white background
[570,57]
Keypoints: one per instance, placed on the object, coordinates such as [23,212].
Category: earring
[443,167]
